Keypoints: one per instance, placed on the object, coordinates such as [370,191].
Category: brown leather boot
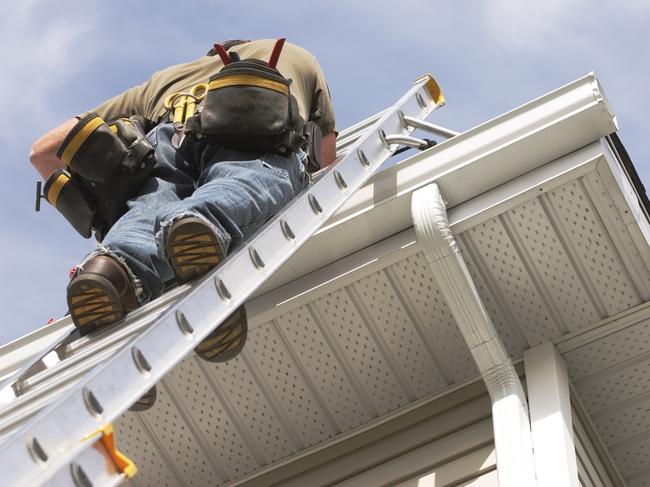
[100,294]
[193,250]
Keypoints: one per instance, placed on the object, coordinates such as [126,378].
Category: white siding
[445,441]
[594,468]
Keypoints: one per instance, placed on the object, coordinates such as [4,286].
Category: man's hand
[43,152]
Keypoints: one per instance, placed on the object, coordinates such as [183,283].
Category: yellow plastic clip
[123,464]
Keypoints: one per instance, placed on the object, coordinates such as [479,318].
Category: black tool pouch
[92,149]
[249,107]
[71,201]
[108,163]
[97,151]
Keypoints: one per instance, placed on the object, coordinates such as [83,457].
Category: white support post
[549,403]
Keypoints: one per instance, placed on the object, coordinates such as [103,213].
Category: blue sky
[60,58]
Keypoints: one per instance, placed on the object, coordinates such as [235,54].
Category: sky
[62,57]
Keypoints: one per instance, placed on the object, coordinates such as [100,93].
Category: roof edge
[632,174]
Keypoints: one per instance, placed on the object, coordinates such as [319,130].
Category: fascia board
[464,167]
[624,194]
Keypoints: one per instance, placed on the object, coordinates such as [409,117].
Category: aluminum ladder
[55,429]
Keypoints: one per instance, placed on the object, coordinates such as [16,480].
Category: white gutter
[512,435]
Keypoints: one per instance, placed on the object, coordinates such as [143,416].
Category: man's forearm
[43,151]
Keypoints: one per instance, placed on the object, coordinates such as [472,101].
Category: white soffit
[609,364]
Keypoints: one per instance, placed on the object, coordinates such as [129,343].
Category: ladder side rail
[32,403]
[92,349]
[40,389]
[52,439]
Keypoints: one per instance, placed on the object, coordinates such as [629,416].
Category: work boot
[100,294]
[193,250]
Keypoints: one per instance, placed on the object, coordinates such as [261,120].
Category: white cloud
[533,26]
[41,49]
[634,7]
[553,25]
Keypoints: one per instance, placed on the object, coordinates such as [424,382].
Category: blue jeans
[233,191]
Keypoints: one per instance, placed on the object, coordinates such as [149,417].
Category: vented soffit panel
[336,352]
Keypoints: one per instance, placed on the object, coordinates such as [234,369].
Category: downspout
[511,422]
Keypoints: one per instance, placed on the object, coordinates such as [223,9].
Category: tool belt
[107,164]
[249,107]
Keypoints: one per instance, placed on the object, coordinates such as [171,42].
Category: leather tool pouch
[98,151]
[108,165]
[249,107]
[313,137]
[71,201]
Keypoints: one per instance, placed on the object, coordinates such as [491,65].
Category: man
[203,197]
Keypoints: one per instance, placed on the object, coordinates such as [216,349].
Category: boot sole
[93,303]
[227,341]
[193,250]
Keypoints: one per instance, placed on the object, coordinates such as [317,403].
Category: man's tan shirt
[308,84]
